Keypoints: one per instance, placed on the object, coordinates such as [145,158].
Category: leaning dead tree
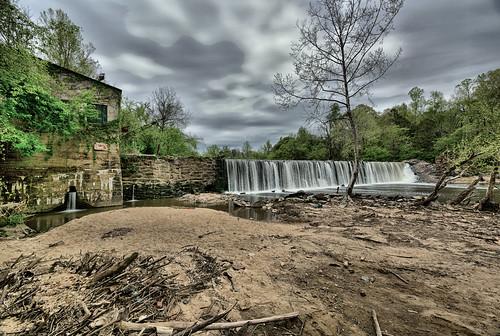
[445,179]
[338,56]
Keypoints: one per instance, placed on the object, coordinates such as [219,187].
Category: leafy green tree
[16,28]
[171,141]
[417,104]
[213,151]
[266,149]
[247,150]
[62,43]
[141,135]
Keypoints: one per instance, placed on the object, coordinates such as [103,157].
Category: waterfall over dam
[269,175]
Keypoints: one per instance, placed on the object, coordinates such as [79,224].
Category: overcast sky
[221,55]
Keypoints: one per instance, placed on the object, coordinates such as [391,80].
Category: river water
[47,221]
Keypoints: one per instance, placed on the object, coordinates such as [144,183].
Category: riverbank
[425,271]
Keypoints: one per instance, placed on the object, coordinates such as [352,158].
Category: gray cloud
[221,55]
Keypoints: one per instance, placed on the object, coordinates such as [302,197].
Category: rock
[362,292]
[244,305]
[425,171]
[238,266]
[367,279]
[298,194]
[258,204]
[321,197]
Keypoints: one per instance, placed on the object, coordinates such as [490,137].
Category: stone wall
[43,181]
[71,84]
[151,177]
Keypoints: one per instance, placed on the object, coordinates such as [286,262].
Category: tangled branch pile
[99,294]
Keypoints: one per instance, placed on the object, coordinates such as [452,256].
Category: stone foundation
[152,177]
[43,181]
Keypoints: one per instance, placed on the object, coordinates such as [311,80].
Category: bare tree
[338,56]
[166,110]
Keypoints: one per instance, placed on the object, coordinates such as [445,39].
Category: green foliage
[13,220]
[141,136]
[27,106]
[16,28]
[170,141]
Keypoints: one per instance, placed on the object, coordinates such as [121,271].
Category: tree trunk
[355,172]
[464,194]
[487,202]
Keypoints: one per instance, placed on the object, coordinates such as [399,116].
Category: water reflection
[45,222]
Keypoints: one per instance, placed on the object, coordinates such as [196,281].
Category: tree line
[427,127]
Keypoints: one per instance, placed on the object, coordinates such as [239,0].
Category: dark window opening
[102,115]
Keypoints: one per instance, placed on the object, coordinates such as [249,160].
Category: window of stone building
[103,114]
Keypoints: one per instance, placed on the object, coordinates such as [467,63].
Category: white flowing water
[133,194]
[268,175]
[71,201]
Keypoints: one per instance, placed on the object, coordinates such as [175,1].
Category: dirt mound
[431,271]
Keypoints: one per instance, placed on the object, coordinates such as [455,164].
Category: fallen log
[164,327]
[115,269]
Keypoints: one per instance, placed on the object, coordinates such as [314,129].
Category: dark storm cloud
[496,3]
[221,55]
[443,42]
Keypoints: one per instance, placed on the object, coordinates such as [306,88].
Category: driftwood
[387,271]
[487,201]
[164,327]
[202,325]
[375,323]
[465,194]
[443,180]
[115,269]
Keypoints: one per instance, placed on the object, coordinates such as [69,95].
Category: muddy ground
[426,271]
